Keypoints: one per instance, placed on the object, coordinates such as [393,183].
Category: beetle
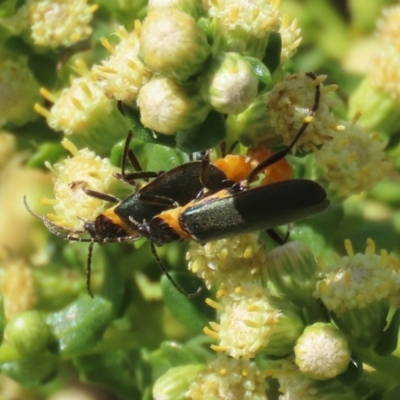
[187,202]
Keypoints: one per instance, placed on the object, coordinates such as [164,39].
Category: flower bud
[229,84]
[167,107]
[28,333]
[226,378]
[174,384]
[172,44]
[290,272]
[19,92]
[356,291]
[85,111]
[322,352]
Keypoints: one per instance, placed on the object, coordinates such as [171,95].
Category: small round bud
[229,84]
[322,352]
[167,107]
[28,333]
[173,45]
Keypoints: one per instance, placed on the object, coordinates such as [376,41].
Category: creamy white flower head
[289,104]
[54,23]
[353,161]
[356,280]
[251,321]
[73,108]
[290,36]
[232,261]
[230,84]
[18,92]
[122,74]
[172,44]
[322,351]
[384,71]
[388,25]
[168,107]
[226,379]
[258,17]
[72,206]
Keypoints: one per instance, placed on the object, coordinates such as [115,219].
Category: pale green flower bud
[84,111]
[191,7]
[229,84]
[174,384]
[55,23]
[172,44]
[290,271]
[268,325]
[356,291]
[244,26]
[19,92]
[167,107]
[354,161]
[226,378]
[322,352]
[28,333]
[377,99]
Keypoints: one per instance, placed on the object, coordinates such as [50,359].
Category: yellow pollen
[106,68]
[68,145]
[253,307]
[107,45]
[340,128]
[251,324]
[308,119]
[86,89]
[222,292]
[223,371]
[47,95]
[219,349]
[349,248]
[77,104]
[329,88]
[93,8]
[319,79]
[239,290]
[214,304]
[245,373]
[248,253]
[44,112]
[80,67]
[48,202]
[211,333]
[214,326]
[370,249]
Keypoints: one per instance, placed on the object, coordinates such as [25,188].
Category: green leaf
[143,133]
[44,68]
[272,56]
[208,134]
[50,152]
[387,343]
[193,313]
[115,371]
[81,325]
[262,72]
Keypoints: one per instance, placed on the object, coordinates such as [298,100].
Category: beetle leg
[170,278]
[276,237]
[157,200]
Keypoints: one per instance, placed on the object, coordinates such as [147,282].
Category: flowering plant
[288,321]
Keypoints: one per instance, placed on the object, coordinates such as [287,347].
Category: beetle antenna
[171,279]
[89,269]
